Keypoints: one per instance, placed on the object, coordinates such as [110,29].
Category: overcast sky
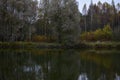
[82,2]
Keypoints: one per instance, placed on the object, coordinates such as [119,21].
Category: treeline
[101,14]
[43,20]
[54,20]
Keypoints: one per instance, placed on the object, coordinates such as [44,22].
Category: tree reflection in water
[59,65]
[117,77]
[83,76]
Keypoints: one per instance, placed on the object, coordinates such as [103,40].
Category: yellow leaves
[104,34]
[87,36]
[98,34]
[39,38]
[107,32]
[42,38]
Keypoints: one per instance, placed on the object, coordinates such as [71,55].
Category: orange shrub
[42,38]
[39,38]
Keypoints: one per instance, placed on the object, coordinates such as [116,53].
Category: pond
[59,65]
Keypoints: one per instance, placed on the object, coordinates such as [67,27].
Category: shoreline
[37,45]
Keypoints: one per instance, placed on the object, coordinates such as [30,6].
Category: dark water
[59,65]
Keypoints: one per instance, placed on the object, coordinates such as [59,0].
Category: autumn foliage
[104,34]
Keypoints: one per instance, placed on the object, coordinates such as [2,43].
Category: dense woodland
[57,21]
[101,15]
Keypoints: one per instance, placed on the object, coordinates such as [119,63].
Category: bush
[38,38]
[107,32]
[104,34]
[98,34]
[87,36]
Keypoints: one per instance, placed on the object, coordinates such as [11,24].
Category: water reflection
[102,77]
[59,65]
[117,77]
[83,76]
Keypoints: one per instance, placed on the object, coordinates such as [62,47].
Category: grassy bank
[36,45]
[102,45]
[28,45]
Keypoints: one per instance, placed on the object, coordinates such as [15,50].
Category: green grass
[27,45]
[103,45]
[37,45]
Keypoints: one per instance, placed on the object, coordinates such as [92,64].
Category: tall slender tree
[85,15]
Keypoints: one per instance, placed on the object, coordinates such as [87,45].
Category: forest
[59,40]
[58,21]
